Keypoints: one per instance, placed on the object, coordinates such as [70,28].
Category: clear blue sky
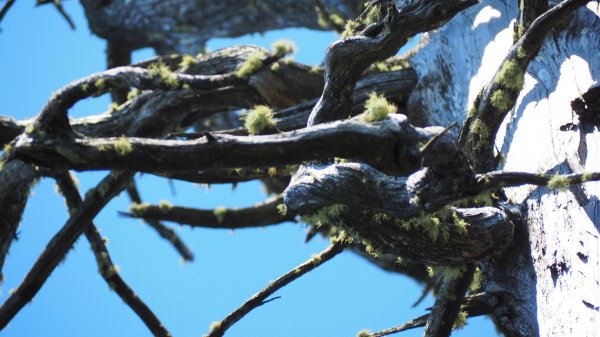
[38,55]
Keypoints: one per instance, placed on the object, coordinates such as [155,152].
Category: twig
[474,305]
[164,231]
[260,298]
[59,7]
[260,215]
[106,267]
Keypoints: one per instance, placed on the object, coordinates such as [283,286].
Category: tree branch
[499,96]
[106,267]
[447,304]
[260,215]
[474,305]
[5,9]
[347,59]
[164,231]
[61,243]
[218,329]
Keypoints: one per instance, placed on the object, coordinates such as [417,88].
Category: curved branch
[347,59]
[259,215]
[260,298]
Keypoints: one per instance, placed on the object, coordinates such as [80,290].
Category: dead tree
[480,165]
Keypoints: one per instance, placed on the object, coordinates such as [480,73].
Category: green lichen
[187,61]
[114,106]
[510,75]
[252,64]
[373,251]
[400,261]
[215,325]
[364,333]
[7,148]
[460,224]
[500,100]
[478,281]
[461,320]
[314,70]
[479,129]
[521,53]
[325,216]
[377,108]
[587,176]
[165,205]
[380,217]
[430,224]
[30,128]
[275,66]
[133,93]
[219,213]
[162,71]
[99,84]
[122,146]
[349,28]
[559,182]
[297,271]
[316,259]
[282,48]
[373,15]
[138,209]
[272,171]
[282,209]
[258,119]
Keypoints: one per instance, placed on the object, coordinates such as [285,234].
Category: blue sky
[38,55]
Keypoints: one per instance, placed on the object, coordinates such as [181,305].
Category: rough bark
[548,282]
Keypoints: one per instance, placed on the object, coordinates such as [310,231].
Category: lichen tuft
[162,71]
[123,146]
[510,75]
[558,182]
[282,48]
[377,108]
[258,119]
[364,333]
[500,100]
[252,64]
[219,213]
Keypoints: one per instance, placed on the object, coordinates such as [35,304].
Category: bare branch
[260,215]
[106,267]
[260,298]
[164,231]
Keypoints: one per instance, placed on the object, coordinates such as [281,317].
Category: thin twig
[260,298]
[106,267]
[59,7]
[164,231]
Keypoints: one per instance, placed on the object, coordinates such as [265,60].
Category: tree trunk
[548,282]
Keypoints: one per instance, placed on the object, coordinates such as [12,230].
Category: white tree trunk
[548,281]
